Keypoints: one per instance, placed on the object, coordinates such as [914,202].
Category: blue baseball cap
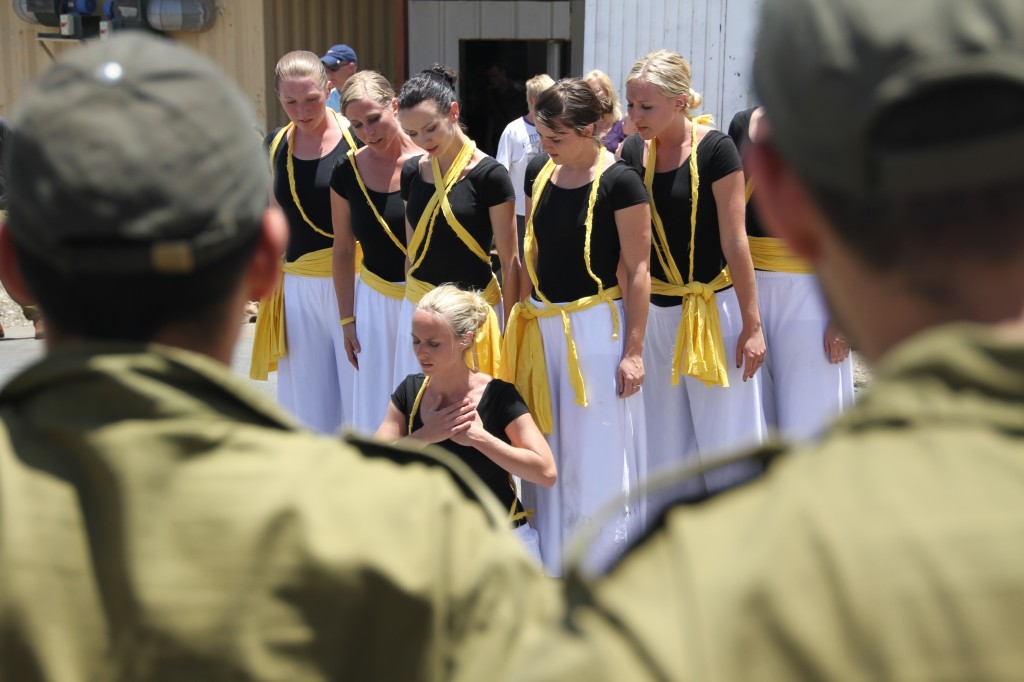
[338,56]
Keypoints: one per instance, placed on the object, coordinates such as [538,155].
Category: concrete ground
[18,349]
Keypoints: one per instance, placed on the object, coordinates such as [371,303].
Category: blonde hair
[537,85]
[463,311]
[300,64]
[366,85]
[606,85]
[670,73]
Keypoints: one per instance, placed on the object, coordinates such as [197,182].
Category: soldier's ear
[265,266]
[10,269]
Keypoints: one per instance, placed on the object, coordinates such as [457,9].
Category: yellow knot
[699,289]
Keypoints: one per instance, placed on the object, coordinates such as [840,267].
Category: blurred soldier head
[893,157]
[139,207]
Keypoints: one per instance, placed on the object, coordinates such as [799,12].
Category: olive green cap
[831,72]
[134,155]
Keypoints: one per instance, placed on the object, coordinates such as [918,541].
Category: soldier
[159,520]
[892,548]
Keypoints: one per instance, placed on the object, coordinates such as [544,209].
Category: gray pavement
[18,349]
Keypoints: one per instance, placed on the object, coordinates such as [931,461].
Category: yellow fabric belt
[523,361]
[395,290]
[488,340]
[772,254]
[699,337]
[269,344]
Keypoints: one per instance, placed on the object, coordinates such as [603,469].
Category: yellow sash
[699,337]
[488,339]
[366,195]
[290,166]
[487,344]
[394,290]
[512,515]
[523,361]
[772,254]
[439,203]
[269,344]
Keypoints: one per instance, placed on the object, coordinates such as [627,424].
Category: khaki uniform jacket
[158,521]
[893,549]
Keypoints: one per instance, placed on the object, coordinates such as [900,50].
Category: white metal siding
[436,27]
[716,36]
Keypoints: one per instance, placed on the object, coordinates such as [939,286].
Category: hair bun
[442,73]
[694,101]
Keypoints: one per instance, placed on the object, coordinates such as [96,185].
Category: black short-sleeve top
[499,406]
[380,254]
[449,260]
[716,158]
[739,131]
[313,187]
[559,226]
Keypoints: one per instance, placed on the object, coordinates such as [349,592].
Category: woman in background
[611,128]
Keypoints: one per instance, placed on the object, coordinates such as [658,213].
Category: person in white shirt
[519,143]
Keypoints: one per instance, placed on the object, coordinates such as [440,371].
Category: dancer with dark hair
[458,200]
[574,349]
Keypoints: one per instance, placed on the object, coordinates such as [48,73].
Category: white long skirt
[314,379]
[405,359]
[692,423]
[803,390]
[373,383]
[600,450]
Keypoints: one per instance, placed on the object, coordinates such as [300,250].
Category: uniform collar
[139,368]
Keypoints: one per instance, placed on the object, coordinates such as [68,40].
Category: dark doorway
[492,74]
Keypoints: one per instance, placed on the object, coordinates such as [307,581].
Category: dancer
[297,331]
[458,200]
[573,350]
[482,420]
[808,371]
[367,206]
[704,336]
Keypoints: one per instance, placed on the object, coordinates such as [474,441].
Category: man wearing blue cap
[340,62]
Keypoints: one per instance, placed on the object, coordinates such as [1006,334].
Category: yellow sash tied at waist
[699,337]
[769,253]
[522,355]
[395,290]
[487,344]
[269,344]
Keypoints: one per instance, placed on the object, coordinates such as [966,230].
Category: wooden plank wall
[437,26]
[370,27]
[715,35]
[235,41]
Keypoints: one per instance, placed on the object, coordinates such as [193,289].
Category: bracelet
[348,320]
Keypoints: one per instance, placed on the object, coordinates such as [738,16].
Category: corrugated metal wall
[716,36]
[437,26]
[235,41]
[246,39]
[371,27]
